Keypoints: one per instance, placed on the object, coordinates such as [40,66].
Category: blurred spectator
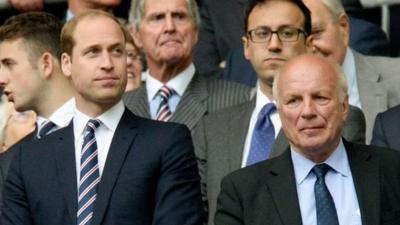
[14,125]
[134,64]
[19,124]
[27,5]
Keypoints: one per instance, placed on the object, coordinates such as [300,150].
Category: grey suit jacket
[219,142]
[201,97]
[265,193]
[378,85]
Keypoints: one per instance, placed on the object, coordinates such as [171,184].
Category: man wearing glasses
[245,134]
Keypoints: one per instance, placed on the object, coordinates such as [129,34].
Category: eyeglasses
[285,34]
[133,55]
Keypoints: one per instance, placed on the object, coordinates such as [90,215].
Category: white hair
[136,12]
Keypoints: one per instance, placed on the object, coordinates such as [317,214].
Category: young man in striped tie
[101,169]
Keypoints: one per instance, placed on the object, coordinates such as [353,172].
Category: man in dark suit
[101,169]
[321,178]
[225,139]
[387,128]
[31,76]
[168,46]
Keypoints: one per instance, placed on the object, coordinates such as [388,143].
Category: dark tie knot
[165,92]
[46,128]
[92,124]
[320,170]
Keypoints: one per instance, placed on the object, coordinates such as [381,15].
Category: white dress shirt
[349,68]
[61,117]
[104,134]
[261,101]
[339,182]
[179,83]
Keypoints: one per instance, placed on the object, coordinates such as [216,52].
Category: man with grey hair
[174,91]
[320,178]
[374,84]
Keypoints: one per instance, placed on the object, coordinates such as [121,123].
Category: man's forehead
[157,6]
[269,15]
[97,29]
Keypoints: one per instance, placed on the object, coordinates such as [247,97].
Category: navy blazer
[150,177]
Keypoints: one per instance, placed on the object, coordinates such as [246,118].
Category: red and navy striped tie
[164,113]
[89,175]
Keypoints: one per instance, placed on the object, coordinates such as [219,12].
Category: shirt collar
[62,116]
[261,100]
[349,65]
[338,161]
[109,119]
[179,83]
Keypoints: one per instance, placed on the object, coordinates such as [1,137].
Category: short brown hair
[67,39]
[40,31]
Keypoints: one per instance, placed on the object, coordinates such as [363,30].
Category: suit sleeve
[378,135]
[178,196]
[229,209]
[200,149]
[15,203]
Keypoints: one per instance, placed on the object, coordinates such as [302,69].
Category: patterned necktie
[164,113]
[325,206]
[45,129]
[89,174]
[263,136]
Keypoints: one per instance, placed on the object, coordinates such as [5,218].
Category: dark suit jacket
[219,142]
[5,161]
[140,184]
[387,129]
[201,97]
[266,192]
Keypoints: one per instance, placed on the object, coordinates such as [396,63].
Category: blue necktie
[325,206]
[45,129]
[263,136]
[164,112]
[89,175]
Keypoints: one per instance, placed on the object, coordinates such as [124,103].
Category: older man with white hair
[374,84]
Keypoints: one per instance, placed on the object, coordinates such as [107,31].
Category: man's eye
[261,33]
[322,100]
[293,102]
[287,33]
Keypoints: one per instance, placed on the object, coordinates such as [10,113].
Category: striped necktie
[89,175]
[164,113]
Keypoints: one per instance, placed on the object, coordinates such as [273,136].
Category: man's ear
[309,44]
[133,30]
[66,62]
[344,28]
[245,42]
[46,65]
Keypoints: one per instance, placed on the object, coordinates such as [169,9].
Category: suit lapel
[237,131]
[119,148]
[281,184]
[66,167]
[140,105]
[365,172]
[192,106]
[281,143]
[372,95]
